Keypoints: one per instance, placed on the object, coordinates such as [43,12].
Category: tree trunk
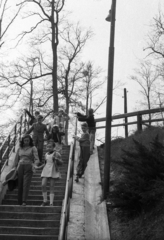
[54,26]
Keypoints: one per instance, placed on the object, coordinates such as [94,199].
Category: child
[84,151]
[50,171]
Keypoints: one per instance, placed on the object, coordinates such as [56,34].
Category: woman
[26,159]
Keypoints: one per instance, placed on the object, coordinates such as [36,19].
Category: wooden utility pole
[107,159]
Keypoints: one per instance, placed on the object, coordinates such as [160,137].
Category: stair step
[32,197]
[29,223]
[27,237]
[31,215]
[36,178]
[29,230]
[58,191]
[29,202]
[32,187]
[30,209]
[57,183]
[63,174]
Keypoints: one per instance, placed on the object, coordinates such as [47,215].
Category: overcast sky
[133,18]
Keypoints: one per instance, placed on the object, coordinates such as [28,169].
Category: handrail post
[125,111]
[15,133]
[21,125]
[8,151]
[139,122]
[0,162]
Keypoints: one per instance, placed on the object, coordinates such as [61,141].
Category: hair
[51,142]
[90,111]
[55,127]
[40,116]
[22,140]
[84,124]
[37,112]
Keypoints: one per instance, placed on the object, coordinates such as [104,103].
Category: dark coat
[56,136]
[89,119]
[32,118]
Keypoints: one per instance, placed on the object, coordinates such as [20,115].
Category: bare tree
[91,75]
[5,20]
[146,77]
[47,12]
[155,38]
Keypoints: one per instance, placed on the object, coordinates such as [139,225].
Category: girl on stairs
[50,172]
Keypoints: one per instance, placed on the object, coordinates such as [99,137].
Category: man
[91,125]
[39,129]
[33,119]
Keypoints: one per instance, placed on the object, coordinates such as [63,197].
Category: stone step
[30,209]
[39,187]
[29,230]
[32,202]
[34,197]
[31,215]
[27,237]
[63,174]
[26,223]
[38,183]
[38,178]
[38,192]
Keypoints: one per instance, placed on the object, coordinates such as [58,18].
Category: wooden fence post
[139,122]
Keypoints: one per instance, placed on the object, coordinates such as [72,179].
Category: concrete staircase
[34,222]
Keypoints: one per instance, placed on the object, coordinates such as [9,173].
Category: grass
[147,225]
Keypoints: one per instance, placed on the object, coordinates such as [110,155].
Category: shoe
[44,204]
[51,205]
[23,204]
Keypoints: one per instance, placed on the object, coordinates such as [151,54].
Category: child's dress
[51,169]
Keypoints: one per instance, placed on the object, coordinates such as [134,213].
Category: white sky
[133,18]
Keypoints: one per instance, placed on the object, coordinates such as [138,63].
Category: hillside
[136,186]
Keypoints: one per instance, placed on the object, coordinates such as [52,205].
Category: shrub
[141,185]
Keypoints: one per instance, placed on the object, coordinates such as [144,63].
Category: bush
[141,185]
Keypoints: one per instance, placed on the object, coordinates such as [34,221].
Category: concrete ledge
[88,215]
[96,220]
[76,224]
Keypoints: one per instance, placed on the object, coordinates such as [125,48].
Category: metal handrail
[66,201]
[68,192]
[11,141]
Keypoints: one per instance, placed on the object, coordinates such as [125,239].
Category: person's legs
[52,185]
[40,148]
[91,134]
[94,134]
[44,191]
[27,180]
[20,183]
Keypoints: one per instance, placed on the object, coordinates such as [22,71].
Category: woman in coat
[26,159]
